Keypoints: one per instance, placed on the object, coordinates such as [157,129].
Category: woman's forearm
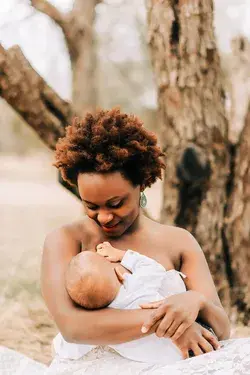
[105,326]
[216,318]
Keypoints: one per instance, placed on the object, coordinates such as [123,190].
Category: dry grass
[27,327]
[31,205]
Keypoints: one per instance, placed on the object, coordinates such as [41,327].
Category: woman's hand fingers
[164,326]
[179,331]
[205,345]
[211,339]
[196,349]
[154,317]
[184,353]
[152,305]
[172,327]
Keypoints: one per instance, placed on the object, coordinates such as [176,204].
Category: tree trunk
[236,66]
[77,27]
[31,97]
[193,124]
[36,102]
[237,225]
[84,64]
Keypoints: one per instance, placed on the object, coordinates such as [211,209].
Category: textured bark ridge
[77,27]
[26,91]
[237,225]
[192,120]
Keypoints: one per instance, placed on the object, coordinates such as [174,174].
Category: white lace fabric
[232,359]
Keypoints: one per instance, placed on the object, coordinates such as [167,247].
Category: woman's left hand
[175,313]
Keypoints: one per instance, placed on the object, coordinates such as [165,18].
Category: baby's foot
[109,252]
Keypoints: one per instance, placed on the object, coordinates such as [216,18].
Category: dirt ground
[31,204]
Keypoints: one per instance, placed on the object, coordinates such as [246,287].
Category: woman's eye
[93,208]
[117,205]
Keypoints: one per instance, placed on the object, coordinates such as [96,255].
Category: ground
[31,204]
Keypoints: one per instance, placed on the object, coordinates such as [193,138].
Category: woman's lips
[110,228]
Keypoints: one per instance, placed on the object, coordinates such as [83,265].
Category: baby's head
[91,280]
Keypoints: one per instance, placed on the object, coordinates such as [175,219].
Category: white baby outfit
[148,282]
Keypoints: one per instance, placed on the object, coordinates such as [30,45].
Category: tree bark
[36,102]
[237,225]
[85,65]
[237,69]
[77,27]
[193,124]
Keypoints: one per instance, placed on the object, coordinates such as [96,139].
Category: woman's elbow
[68,336]
[74,333]
[67,329]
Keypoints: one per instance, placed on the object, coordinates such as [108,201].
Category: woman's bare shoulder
[76,231]
[181,240]
[175,238]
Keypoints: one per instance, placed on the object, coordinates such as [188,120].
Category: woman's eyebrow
[117,197]
[110,199]
[84,200]
[95,204]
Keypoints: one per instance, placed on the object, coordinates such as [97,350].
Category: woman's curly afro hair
[109,141]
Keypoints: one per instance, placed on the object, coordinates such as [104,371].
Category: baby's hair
[85,283]
[109,141]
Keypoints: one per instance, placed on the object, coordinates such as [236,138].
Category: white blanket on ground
[13,363]
[232,359]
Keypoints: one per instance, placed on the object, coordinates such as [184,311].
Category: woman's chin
[115,231]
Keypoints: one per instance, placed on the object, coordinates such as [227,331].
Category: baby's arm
[129,259]
[109,252]
[140,264]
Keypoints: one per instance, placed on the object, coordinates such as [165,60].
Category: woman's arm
[105,326]
[179,311]
[199,279]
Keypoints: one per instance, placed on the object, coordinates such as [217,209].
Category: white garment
[148,282]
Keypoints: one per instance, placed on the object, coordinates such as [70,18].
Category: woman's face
[110,200]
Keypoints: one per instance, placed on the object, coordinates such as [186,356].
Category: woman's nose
[104,217]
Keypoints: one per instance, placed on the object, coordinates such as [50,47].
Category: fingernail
[144,330]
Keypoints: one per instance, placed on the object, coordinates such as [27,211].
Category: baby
[95,280]
[92,281]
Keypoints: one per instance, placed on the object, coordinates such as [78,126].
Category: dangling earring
[143,200]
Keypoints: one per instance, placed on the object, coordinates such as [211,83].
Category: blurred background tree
[205,168]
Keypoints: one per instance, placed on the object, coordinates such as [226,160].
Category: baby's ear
[119,274]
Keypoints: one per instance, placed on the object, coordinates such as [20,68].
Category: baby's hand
[109,252]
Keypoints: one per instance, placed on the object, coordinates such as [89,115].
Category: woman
[111,158]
